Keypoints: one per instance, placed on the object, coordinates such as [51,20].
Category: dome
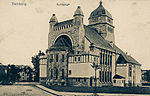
[78,11]
[100,11]
[53,18]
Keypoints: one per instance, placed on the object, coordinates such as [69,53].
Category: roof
[53,18]
[93,37]
[64,22]
[100,11]
[118,77]
[78,11]
[130,58]
[127,58]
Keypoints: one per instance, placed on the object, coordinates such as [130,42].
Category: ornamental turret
[78,29]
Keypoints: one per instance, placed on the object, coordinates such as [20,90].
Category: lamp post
[95,66]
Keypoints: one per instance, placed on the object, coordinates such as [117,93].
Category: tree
[12,73]
[35,61]
[28,71]
[36,64]
[3,73]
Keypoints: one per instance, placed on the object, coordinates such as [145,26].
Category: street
[22,90]
[29,90]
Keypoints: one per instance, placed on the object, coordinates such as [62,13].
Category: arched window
[63,74]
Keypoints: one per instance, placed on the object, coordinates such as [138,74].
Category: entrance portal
[64,41]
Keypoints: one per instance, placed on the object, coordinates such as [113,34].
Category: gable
[125,57]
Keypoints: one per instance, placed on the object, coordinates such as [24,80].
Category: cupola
[100,11]
[53,19]
[78,12]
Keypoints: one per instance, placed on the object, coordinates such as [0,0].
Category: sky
[24,28]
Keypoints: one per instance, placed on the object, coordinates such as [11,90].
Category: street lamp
[95,66]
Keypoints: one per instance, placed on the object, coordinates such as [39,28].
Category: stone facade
[82,55]
[72,28]
[57,66]
[43,68]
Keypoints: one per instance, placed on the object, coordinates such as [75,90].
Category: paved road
[86,94]
[28,90]
[22,90]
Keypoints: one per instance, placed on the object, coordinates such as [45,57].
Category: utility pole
[95,66]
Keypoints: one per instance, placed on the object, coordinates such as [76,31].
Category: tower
[101,20]
[52,22]
[78,29]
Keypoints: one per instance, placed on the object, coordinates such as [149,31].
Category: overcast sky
[24,29]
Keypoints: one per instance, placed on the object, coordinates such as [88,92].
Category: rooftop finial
[79,7]
[53,14]
[100,2]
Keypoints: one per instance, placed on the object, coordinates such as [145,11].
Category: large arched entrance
[64,41]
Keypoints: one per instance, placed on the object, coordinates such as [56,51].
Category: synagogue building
[82,55]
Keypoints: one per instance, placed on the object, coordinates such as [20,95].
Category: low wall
[111,89]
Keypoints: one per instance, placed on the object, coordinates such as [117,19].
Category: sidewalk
[26,83]
[62,93]
[57,93]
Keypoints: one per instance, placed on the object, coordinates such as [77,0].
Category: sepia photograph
[74,48]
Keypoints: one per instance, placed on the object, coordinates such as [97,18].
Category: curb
[46,90]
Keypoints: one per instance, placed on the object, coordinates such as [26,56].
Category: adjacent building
[145,77]
[129,68]
[118,81]
[25,73]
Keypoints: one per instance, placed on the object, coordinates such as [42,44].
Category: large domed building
[76,52]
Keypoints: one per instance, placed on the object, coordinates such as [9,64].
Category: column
[110,67]
[107,65]
[102,66]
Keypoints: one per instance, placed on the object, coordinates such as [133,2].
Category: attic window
[103,12]
[109,20]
